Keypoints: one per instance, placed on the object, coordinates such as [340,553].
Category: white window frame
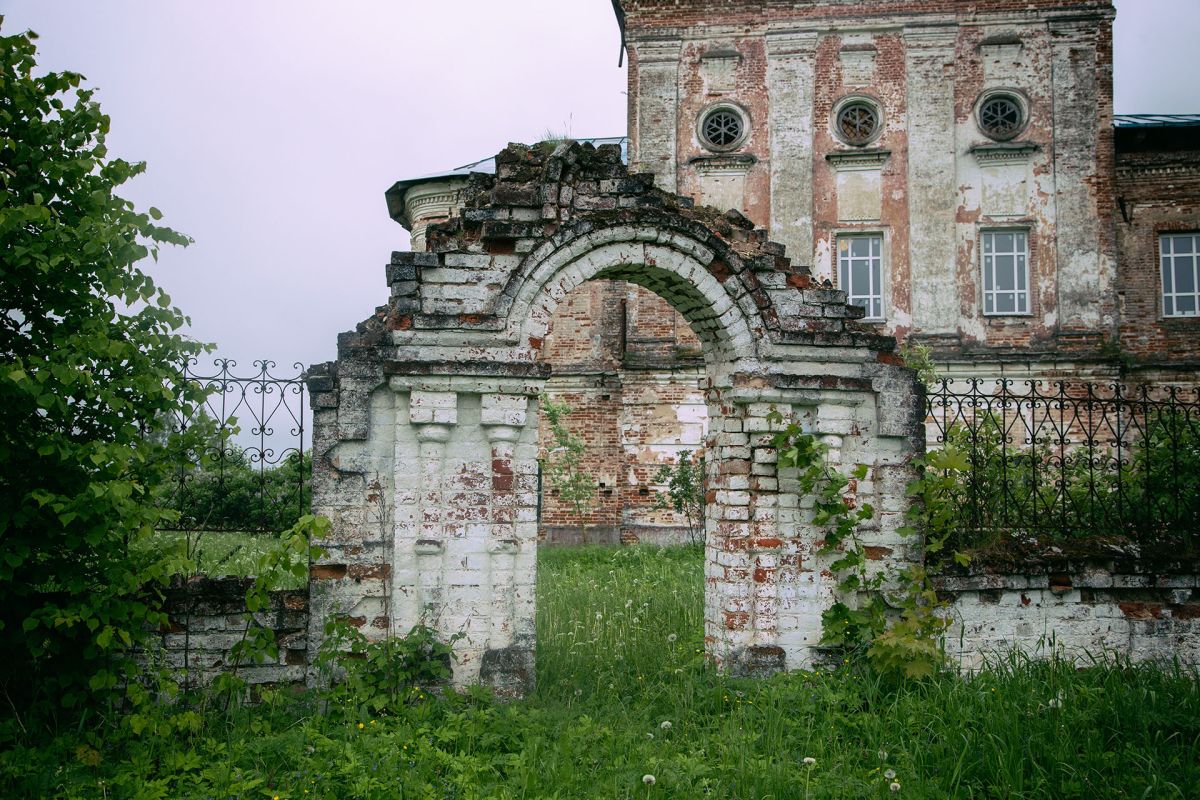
[873,299]
[1020,293]
[1168,262]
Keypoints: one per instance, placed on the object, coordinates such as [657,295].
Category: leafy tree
[89,352]
[564,462]
[685,491]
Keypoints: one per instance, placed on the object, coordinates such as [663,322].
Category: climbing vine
[893,618]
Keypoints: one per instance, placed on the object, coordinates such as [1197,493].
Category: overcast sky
[272,128]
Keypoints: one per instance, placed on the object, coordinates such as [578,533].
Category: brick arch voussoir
[691,267]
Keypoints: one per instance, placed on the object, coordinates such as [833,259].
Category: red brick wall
[1159,192]
[626,363]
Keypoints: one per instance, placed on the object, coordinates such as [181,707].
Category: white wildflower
[648,780]
[665,725]
[890,774]
[894,786]
[672,637]
[809,761]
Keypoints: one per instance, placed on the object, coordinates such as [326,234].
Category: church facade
[955,167]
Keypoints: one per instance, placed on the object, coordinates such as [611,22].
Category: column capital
[503,410]
[437,408]
[432,432]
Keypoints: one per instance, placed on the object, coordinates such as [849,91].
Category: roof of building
[1155,120]
[395,193]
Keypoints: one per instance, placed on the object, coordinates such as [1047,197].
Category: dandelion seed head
[809,761]
[890,774]
[894,786]
[672,637]
[665,725]
[649,780]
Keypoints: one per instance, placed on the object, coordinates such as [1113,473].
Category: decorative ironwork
[251,474]
[857,122]
[1001,117]
[722,128]
[1066,463]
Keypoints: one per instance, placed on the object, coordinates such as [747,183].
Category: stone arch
[425,428]
[673,266]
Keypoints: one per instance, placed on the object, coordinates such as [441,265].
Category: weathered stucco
[930,182]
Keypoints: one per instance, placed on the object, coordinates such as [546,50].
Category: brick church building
[955,167]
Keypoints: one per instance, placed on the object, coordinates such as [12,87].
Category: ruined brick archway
[425,429]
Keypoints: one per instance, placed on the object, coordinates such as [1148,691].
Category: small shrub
[685,482]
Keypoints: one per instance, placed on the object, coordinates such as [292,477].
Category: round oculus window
[722,128]
[1001,117]
[857,122]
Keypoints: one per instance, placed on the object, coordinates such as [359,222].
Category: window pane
[1168,284]
[859,279]
[1168,307]
[1004,242]
[1005,303]
[1022,281]
[1185,276]
[987,243]
[1005,273]
[989,282]
[1022,303]
[1185,304]
[860,272]
[1183,244]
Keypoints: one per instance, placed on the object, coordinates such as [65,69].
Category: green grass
[595,726]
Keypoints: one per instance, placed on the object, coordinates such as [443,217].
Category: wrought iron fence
[251,473]
[1068,462]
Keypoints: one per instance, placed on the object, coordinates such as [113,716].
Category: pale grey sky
[272,128]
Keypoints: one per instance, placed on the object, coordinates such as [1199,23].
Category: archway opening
[627,371]
[621,569]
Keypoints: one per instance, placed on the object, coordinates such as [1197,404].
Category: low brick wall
[1079,608]
[207,618]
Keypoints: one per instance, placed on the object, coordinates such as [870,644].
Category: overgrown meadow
[627,708]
